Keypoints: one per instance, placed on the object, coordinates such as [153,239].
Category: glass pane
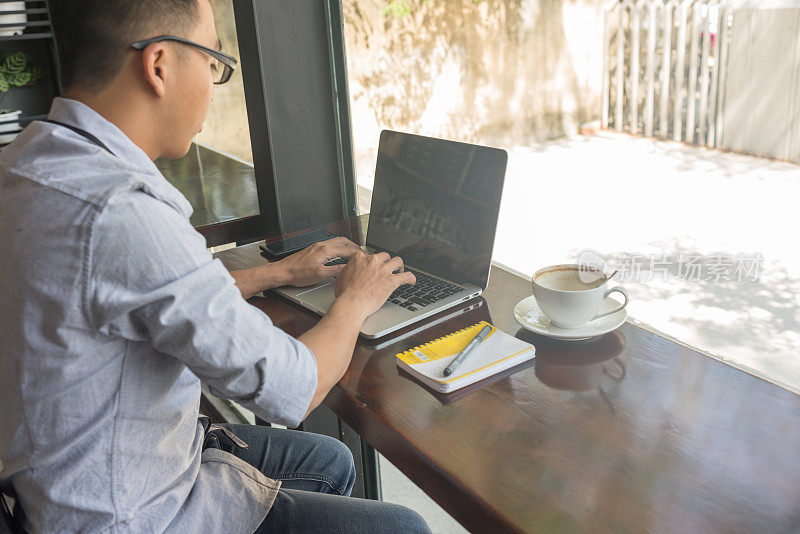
[226,126]
[589,104]
[217,174]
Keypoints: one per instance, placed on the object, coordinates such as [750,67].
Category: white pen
[463,354]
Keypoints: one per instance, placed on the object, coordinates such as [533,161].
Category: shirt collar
[78,114]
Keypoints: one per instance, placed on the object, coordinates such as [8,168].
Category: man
[113,310]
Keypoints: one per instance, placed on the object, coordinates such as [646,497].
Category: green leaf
[15,62]
[37,73]
[15,71]
[397,9]
[20,78]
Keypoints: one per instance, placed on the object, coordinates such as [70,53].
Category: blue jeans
[317,475]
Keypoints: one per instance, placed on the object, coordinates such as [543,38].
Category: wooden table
[627,432]
[222,191]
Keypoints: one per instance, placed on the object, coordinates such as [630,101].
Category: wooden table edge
[472,513]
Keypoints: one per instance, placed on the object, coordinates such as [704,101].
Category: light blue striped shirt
[112,312]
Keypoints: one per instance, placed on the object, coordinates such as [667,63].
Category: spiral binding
[438,339]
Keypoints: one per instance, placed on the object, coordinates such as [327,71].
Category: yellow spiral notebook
[498,352]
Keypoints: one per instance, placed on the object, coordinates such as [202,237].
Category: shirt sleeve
[152,280]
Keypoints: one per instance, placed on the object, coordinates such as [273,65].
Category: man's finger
[358,255]
[395,264]
[343,248]
[345,240]
[323,244]
[332,270]
[406,277]
[382,256]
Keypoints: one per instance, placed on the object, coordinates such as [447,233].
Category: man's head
[159,95]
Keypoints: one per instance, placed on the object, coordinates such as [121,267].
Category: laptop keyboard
[426,291]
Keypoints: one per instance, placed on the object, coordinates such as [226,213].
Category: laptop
[435,204]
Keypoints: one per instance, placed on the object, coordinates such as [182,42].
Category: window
[226,124]
[217,174]
[588,102]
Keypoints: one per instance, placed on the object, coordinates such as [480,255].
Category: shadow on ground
[743,307]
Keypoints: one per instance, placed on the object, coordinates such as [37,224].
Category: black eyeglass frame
[228,61]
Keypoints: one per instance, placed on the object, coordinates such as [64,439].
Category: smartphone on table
[284,247]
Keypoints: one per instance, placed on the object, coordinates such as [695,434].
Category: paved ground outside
[712,234]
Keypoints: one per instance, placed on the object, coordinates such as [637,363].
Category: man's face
[193,88]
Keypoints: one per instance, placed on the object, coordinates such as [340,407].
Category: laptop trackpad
[319,299]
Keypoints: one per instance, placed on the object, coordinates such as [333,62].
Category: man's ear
[153,67]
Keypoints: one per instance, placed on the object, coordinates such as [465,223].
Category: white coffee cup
[567,300]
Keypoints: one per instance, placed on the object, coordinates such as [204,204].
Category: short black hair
[93,36]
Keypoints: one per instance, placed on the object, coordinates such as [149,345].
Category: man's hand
[301,269]
[307,267]
[361,288]
[368,280]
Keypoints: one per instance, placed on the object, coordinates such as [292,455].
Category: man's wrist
[351,306]
[275,274]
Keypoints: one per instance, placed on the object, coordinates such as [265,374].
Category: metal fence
[668,66]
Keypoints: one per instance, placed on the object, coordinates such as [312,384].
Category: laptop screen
[435,204]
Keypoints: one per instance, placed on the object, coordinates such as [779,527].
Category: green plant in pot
[15,71]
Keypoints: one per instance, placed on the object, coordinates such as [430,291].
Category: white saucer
[528,314]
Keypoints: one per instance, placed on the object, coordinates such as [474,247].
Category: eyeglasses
[220,75]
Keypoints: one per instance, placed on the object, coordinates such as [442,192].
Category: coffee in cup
[569,298]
